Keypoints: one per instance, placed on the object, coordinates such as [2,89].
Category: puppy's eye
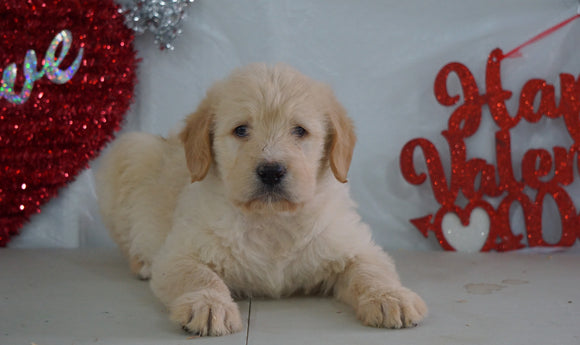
[241,131]
[298,131]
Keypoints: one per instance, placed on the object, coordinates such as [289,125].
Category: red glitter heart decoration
[68,73]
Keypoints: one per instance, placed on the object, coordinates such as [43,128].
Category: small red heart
[466,236]
[48,138]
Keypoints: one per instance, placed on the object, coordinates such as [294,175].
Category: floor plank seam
[249,318]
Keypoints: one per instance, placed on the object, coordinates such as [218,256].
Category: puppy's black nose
[271,173]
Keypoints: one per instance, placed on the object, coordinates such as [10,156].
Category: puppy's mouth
[270,199]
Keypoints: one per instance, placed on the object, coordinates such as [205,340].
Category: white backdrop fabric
[381,58]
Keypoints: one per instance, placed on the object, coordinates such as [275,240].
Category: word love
[50,68]
[543,173]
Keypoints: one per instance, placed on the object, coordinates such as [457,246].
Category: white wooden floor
[74,297]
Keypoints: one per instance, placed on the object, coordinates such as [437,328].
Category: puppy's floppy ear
[342,140]
[196,138]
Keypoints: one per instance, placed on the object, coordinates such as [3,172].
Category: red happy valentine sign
[68,72]
[498,181]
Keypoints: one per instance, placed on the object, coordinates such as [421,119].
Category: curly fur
[191,213]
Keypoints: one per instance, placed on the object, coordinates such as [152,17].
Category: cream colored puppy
[250,200]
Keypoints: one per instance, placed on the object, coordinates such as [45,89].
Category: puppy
[250,199]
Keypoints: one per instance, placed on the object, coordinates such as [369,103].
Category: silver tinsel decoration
[160,17]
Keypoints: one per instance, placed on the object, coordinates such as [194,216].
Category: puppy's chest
[272,260]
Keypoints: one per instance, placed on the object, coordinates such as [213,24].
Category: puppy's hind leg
[126,184]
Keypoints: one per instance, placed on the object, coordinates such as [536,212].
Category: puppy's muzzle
[271,174]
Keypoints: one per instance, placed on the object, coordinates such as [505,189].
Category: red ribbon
[516,51]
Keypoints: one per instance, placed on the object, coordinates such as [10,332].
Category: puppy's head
[271,134]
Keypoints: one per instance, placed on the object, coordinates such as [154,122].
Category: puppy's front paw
[391,308]
[207,312]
